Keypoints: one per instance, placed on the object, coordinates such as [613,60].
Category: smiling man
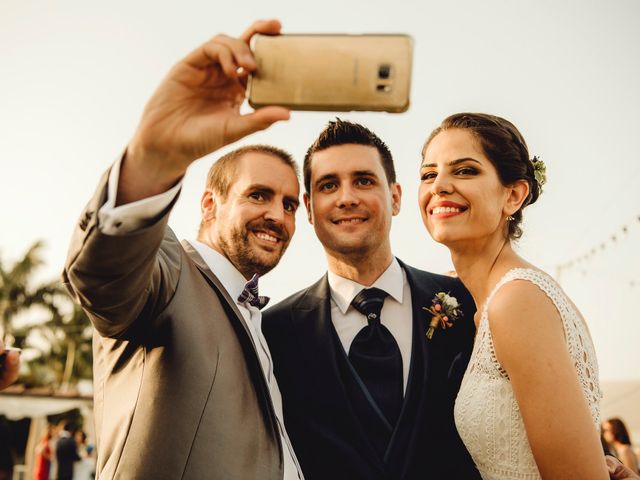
[182,373]
[366,394]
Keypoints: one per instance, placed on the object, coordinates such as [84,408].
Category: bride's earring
[510,218]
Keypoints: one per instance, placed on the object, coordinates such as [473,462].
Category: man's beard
[237,248]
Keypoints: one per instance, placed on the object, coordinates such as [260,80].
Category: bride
[528,406]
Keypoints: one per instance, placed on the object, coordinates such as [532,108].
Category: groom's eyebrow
[324,178]
[452,163]
[334,177]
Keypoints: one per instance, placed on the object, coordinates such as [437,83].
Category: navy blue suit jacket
[327,435]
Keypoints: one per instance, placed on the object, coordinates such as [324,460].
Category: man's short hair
[225,170]
[341,132]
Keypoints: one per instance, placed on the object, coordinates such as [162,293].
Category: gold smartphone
[329,72]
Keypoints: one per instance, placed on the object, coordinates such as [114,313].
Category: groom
[367,397]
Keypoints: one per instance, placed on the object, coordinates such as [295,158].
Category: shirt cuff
[133,216]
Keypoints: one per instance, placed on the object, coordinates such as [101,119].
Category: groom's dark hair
[341,132]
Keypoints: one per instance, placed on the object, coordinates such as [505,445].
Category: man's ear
[307,204]
[516,195]
[208,206]
[396,198]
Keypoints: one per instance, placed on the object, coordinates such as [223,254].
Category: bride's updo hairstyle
[504,146]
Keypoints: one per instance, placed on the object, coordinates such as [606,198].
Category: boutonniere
[444,310]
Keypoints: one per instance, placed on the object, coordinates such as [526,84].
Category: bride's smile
[461,196]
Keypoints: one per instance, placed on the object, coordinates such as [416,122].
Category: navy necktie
[250,295]
[375,355]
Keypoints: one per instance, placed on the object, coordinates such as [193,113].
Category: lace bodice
[486,412]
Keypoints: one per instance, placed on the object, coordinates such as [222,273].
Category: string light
[584,258]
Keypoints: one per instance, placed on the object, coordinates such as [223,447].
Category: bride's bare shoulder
[524,321]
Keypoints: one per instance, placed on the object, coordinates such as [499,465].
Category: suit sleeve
[121,279]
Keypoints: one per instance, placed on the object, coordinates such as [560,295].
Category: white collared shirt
[127,218]
[396,314]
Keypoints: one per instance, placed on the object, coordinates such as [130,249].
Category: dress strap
[543,281]
[538,278]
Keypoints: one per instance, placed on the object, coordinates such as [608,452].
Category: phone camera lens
[384,71]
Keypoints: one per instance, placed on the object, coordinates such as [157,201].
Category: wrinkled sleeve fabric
[133,216]
[126,279]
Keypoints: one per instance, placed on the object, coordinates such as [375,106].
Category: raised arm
[119,278]
[194,111]
[529,341]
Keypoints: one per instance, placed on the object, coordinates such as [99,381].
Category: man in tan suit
[182,374]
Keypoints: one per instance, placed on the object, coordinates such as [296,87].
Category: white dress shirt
[396,314]
[127,218]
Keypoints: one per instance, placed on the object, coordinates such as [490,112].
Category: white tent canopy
[16,406]
[22,404]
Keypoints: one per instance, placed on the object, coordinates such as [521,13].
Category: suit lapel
[311,318]
[237,320]
[215,282]
[421,293]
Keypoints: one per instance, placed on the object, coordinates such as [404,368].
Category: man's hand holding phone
[195,111]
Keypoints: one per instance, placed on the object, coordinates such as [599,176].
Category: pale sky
[76,75]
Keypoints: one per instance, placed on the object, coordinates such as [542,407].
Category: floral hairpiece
[539,171]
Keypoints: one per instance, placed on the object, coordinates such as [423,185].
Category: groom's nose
[348,197]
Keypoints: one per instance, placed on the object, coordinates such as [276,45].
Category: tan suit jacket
[179,391]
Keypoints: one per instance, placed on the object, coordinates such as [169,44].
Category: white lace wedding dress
[486,412]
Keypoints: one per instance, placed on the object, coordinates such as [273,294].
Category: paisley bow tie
[250,295]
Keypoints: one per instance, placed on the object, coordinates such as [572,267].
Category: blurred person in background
[42,462]
[606,448]
[85,468]
[66,453]
[53,444]
[616,434]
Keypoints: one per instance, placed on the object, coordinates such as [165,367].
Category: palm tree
[67,331]
[70,339]
[16,292]
[66,359]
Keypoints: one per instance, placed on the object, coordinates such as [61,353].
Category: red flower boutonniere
[444,310]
